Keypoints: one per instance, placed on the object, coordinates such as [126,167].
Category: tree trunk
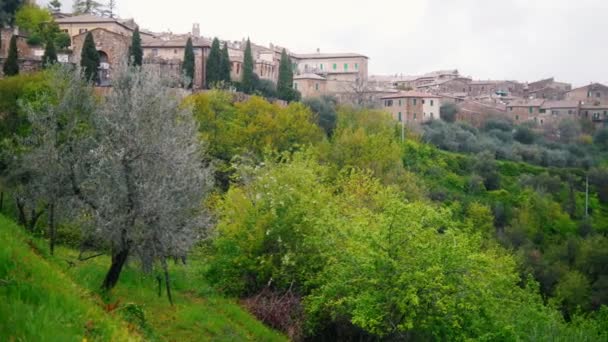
[52,228]
[167,281]
[1,200]
[119,258]
[159,281]
[21,209]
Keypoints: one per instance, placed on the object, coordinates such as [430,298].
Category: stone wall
[25,65]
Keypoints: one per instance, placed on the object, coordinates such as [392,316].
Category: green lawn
[45,293]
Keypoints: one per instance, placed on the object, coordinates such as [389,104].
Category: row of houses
[315,74]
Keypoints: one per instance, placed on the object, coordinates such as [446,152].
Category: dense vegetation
[321,219]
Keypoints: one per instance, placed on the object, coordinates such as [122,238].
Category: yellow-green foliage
[40,303]
[253,126]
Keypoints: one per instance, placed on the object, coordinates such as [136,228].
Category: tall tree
[285,83]
[50,54]
[144,180]
[89,59]
[110,9]
[11,65]
[135,51]
[55,6]
[87,7]
[226,65]
[188,65]
[8,9]
[248,82]
[214,64]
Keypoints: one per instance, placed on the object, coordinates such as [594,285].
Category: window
[554,112]
[321,66]
[541,121]
[356,66]
[423,101]
[531,110]
[510,109]
[345,66]
[570,111]
[335,66]
[414,116]
[64,30]
[399,103]
[399,117]
[516,117]
[432,103]
[174,51]
[598,94]
[238,68]
[317,86]
[388,103]
[82,30]
[432,116]
[295,86]
[154,52]
[414,102]
[596,116]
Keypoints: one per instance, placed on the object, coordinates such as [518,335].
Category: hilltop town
[343,75]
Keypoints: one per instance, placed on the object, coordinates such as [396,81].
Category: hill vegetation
[318,217]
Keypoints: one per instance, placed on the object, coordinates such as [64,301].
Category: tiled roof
[404,94]
[86,18]
[174,43]
[308,77]
[327,55]
[560,104]
[526,103]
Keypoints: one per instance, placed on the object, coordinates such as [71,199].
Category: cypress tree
[11,65]
[285,82]
[226,66]
[50,55]
[214,64]
[135,51]
[188,65]
[248,82]
[89,59]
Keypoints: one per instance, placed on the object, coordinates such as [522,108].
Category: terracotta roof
[560,104]
[327,55]
[526,103]
[593,86]
[404,94]
[85,18]
[308,76]
[602,106]
[174,43]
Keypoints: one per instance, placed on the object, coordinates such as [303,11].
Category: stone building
[477,113]
[112,48]
[412,107]
[595,92]
[76,25]
[523,110]
[30,57]
[168,56]
[548,89]
[341,70]
[310,85]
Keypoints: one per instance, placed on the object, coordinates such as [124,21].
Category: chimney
[318,50]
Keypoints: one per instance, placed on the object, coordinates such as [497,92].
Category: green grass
[69,292]
[40,303]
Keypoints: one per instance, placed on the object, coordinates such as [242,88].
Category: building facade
[412,107]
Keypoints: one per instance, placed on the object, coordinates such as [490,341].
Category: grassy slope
[40,303]
[198,313]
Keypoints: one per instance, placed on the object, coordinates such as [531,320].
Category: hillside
[54,299]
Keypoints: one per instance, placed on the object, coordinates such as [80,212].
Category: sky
[522,40]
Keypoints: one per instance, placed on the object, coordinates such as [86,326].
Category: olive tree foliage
[59,129]
[144,179]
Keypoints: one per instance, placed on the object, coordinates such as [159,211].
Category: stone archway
[104,68]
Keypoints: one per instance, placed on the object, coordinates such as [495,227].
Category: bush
[448,112]
[524,135]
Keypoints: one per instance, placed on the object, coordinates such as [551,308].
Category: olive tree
[145,179]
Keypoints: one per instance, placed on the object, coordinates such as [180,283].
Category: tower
[196,30]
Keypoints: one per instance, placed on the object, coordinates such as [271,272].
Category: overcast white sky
[488,39]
